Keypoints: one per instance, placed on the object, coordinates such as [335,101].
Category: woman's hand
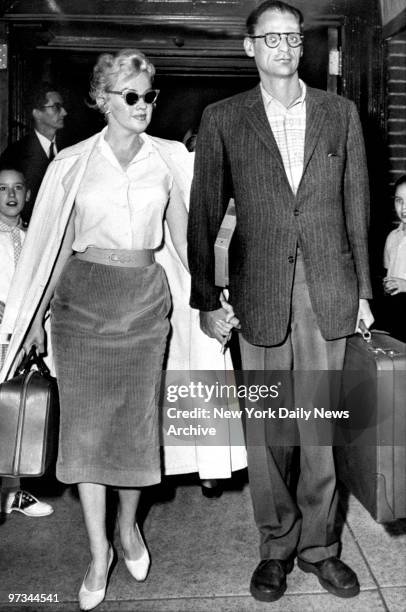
[394,285]
[35,337]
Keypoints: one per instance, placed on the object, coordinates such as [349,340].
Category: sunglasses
[131,97]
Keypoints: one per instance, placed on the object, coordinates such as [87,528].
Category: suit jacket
[28,155]
[54,204]
[237,156]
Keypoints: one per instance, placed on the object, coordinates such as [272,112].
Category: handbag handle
[30,359]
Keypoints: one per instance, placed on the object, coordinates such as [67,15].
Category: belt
[117,257]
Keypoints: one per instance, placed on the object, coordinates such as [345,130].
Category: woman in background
[189,349]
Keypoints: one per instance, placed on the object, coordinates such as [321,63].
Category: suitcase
[375,471]
[29,425]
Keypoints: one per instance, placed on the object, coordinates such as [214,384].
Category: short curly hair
[109,67]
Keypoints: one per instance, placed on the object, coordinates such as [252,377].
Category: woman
[99,217]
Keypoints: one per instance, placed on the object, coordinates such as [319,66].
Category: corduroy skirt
[109,328]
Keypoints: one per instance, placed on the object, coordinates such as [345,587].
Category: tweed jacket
[48,224]
[237,156]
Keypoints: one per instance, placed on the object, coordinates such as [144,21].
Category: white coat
[190,349]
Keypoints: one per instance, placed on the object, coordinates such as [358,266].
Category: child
[395,264]
[13,196]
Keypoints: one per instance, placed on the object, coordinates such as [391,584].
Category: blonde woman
[97,222]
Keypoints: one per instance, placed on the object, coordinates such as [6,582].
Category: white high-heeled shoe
[90,599]
[139,568]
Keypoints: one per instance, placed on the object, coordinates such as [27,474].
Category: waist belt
[117,257]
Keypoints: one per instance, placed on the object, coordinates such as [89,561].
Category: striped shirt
[288,126]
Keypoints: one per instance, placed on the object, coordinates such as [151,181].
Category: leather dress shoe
[268,582]
[212,492]
[334,575]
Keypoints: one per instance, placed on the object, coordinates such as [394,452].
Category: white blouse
[122,209]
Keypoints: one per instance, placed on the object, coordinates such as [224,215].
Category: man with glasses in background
[293,159]
[36,150]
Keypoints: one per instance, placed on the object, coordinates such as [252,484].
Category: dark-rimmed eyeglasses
[131,97]
[58,106]
[273,39]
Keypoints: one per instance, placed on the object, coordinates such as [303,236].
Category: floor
[203,553]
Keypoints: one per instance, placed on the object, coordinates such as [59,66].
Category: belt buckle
[120,258]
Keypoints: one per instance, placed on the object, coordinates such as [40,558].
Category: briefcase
[375,471]
[29,419]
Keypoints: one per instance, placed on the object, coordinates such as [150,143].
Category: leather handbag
[29,419]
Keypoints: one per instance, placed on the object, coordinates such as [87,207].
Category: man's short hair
[38,96]
[271,5]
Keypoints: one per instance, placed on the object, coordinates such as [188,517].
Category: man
[293,159]
[36,150]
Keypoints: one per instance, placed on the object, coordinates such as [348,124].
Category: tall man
[293,158]
[33,152]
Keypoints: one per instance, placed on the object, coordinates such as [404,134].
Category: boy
[13,196]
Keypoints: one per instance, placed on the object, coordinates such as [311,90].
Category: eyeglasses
[131,97]
[58,106]
[273,39]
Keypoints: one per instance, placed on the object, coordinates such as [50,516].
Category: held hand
[214,325]
[230,315]
[35,337]
[365,315]
[394,285]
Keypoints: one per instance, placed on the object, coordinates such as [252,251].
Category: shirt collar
[45,142]
[4,227]
[105,149]
[268,98]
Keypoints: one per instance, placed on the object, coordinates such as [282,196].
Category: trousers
[294,505]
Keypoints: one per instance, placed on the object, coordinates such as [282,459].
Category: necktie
[51,153]
[15,237]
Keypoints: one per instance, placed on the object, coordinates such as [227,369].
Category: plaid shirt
[288,127]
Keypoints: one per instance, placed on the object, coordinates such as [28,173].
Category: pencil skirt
[109,329]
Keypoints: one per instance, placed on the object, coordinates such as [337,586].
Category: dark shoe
[268,582]
[212,492]
[334,575]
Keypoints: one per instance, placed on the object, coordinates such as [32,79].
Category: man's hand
[394,285]
[230,317]
[219,323]
[365,315]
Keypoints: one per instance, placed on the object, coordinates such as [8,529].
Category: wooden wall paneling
[396,107]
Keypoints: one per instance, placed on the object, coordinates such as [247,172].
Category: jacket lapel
[315,119]
[257,119]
